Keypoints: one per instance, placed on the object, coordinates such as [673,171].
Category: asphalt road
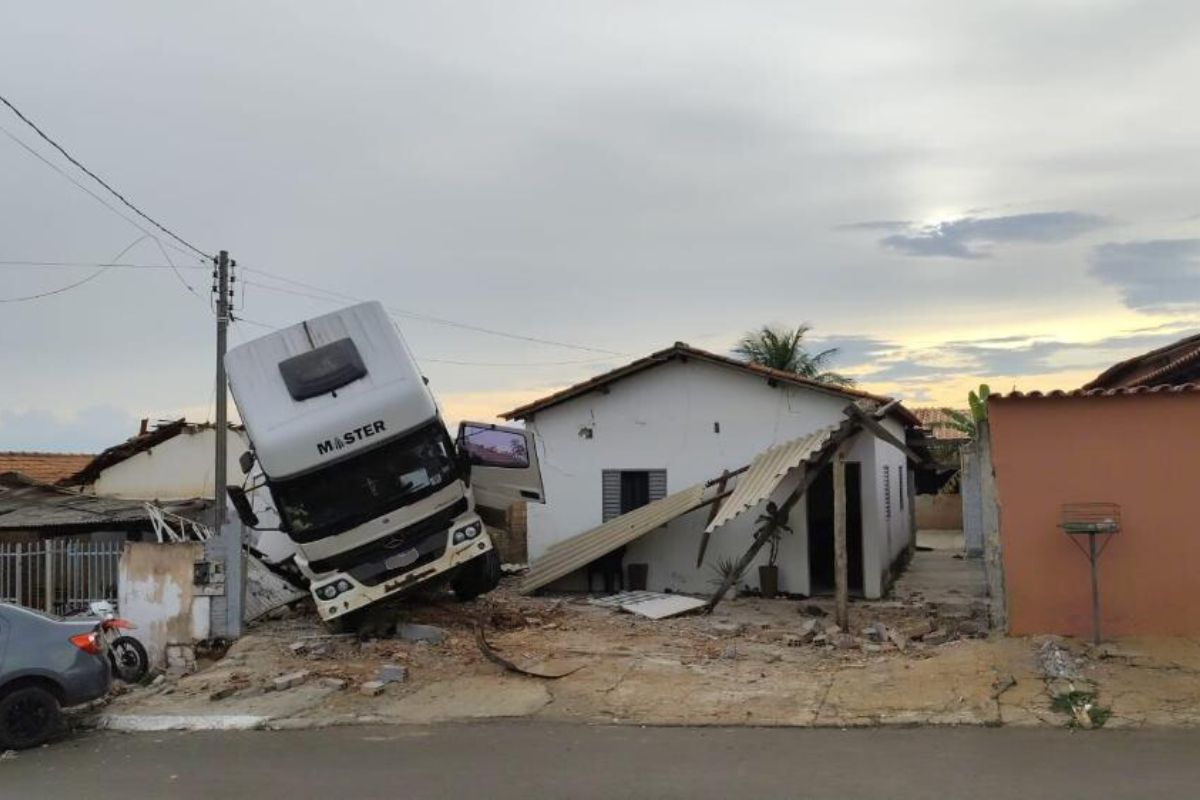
[532,760]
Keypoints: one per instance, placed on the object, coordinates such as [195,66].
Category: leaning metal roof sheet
[569,555]
[27,505]
[766,471]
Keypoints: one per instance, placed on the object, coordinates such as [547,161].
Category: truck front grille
[424,535]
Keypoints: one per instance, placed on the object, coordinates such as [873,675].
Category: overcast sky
[953,192]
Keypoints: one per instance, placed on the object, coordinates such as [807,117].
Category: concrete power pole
[232,537]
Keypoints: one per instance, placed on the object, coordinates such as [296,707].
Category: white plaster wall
[178,469]
[155,593]
[663,419]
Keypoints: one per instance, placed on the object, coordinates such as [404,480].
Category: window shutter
[887,490]
[658,484]
[611,490]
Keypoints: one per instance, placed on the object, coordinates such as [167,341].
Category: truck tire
[29,715]
[478,576]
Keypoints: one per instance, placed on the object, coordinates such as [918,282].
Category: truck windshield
[363,487]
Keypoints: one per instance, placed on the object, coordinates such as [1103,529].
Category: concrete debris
[897,638]
[876,633]
[392,673]
[1055,662]
[869,647]
[936,637]
[298,648]
[284,682]
[810,628]
[413,632]
[372,688]
[1002,685]
[813,611]
[223,692]
[844,641]
[919,630]
[336,684]
[724,627]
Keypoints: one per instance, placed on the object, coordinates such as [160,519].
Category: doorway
[820,530]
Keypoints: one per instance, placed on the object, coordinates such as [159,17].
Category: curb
[147,723]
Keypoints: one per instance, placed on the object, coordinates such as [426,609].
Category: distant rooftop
[44,467]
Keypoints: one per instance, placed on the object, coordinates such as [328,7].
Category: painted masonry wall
[663,418]
[155,593]
[1140,451]
[177,469]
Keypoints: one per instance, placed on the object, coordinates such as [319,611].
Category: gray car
[45,663]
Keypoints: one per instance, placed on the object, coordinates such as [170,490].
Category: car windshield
[367,485]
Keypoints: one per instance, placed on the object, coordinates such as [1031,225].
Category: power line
[101,181]
[331,295]
[81,282]
[94,265]
[79,185]
[264,325]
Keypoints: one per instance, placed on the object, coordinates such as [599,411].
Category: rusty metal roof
[563,558]
[1183,388]
[766,471]
[30,505]
[683,351]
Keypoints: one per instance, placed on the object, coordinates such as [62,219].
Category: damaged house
[659,433]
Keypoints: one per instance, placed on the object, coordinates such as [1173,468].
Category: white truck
[360,467]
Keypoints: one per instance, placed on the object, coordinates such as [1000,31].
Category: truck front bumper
[360,594]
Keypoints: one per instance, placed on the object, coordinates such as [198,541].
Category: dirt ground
[754,661]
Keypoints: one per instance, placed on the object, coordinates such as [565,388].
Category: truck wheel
[478,576]
[28,716]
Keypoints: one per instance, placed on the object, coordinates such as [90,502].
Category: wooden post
[840,571]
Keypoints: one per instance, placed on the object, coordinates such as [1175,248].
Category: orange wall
[1140,451]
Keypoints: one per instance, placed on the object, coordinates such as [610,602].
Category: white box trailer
[363,475]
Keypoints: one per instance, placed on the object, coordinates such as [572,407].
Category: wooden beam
[840,561]
[857,414]
[812,469]
[712,514]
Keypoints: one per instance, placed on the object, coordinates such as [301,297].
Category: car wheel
[28,716]
[478,576]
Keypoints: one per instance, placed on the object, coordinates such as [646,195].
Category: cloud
[1153,274]
[877,225]
[971,237]
[1005,357]
[90,430]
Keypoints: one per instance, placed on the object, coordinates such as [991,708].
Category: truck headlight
[468,532]
[332,590]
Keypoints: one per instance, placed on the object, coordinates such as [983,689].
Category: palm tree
[783,348]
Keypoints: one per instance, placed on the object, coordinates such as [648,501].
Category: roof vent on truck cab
[322,370]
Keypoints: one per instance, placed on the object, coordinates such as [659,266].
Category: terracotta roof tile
[44,467]
[935,419]
[1183,388]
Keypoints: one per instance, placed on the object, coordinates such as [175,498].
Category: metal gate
[59,575]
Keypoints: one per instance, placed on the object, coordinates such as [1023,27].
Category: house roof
[1130,391]
[936,420]
[44,467]
[1176,363]
[682,351]
[27,504]
[145,440]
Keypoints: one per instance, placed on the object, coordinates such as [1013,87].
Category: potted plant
[774,528]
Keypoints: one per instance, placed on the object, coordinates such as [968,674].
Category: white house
[680,417]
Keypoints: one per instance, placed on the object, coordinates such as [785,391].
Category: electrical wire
[101,181]
[80,186]
[178,274]
[267,326]
[70,286]
[94,265]
[331,296]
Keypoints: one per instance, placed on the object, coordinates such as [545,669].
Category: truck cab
[366,481]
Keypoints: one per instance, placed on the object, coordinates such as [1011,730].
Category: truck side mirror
[246,461]
[241,503]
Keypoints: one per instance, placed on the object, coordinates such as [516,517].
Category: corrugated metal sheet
[766,471]
[571,554]
[265,591]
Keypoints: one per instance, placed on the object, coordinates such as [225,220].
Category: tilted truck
[360,468]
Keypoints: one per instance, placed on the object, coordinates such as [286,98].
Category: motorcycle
[127,655]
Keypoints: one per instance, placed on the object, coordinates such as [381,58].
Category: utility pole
[232,538]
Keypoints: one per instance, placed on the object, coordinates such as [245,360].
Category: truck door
[504,464]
